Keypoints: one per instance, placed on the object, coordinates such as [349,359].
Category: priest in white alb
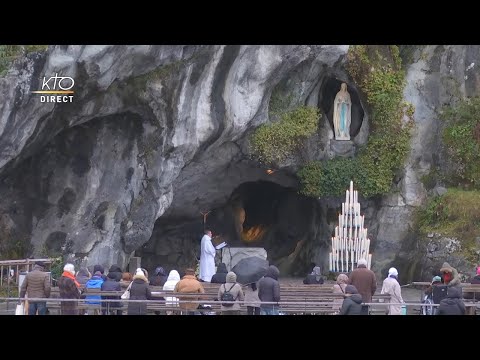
[207,257]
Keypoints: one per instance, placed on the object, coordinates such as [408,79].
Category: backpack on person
[227,296]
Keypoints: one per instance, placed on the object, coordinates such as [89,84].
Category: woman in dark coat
[139,291]
[315,277]
[220,277]
[112,284]
[68,288]
[453,303]
[352,304]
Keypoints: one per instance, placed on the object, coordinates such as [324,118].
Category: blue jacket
[94,283]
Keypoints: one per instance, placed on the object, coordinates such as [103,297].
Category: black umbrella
[250,269]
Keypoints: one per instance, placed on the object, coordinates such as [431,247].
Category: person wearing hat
[139,290]
[427,309]
[68,287]
[159,278]
[453,303]
[189,284]
[112,284]
[450,275]
[392,287]
[36,285]
[436,281]
[352,304]
[365,281]
[95,282]
[235,290]
[101,270]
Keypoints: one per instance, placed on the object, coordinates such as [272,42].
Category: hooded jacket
[455,277]
[315,277]
[352,305]
[269,287]
[220,277]
[172,280]
[115,273]
[453,303]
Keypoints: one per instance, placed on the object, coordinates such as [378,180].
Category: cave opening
[328,91]
[257,214]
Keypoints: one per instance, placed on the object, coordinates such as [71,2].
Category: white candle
[369,260]
[330,262]
[346,260]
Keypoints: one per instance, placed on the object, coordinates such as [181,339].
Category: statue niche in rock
[342,110]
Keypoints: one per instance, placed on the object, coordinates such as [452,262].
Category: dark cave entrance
[257,214]
[328,91]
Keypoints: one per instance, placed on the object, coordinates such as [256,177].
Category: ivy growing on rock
[377,70]
[461,137]
[456,214]
[274,142]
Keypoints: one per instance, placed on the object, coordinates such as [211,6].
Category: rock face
[439,75]
[155,135]
[151,134]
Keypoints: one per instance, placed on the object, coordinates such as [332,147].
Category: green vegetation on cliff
[378,72]
[8,53]
[461,137]
[455,214]
[274,142]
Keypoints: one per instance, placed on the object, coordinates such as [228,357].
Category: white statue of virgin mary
[342,111]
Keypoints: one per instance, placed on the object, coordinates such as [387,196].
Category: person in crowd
[139,291]
[436,281]
[235,290]
[315,277]
[159,278]
[453,303]
[269,291]
[392,287]
[252,302]
[207,257]
[95,282]
[220,277]
[352,304]
[339,288]
[82,276]
[428,301]
[100,269]
[36,285]
[450,275]
[474,281]
[68,288]
[112,284]
[172,280]
[126,280]
[365,281]
[189,284]
[116,271]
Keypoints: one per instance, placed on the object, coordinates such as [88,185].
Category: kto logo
[60,85]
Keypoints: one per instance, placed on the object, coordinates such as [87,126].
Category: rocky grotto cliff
[155,135]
